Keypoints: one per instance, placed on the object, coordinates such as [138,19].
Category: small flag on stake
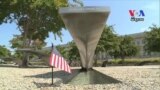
[58,62]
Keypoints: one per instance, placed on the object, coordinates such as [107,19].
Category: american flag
[58,62]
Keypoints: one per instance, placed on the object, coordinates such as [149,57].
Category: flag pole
[52,76]
[52,66]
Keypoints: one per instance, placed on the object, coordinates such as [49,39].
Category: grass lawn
[132,61]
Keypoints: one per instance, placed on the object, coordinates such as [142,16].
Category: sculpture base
[91,76]
[85,69]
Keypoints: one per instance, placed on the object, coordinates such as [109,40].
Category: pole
[52,66]
[52,76]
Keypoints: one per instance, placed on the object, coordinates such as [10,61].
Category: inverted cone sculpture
[86,25]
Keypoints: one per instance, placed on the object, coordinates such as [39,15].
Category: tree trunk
[25,55]
[104,63]
[24,61]
[122,58]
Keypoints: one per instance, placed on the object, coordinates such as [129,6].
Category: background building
[138,39]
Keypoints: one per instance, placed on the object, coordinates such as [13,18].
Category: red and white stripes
[59,62]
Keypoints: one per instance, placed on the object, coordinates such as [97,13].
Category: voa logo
[136,15]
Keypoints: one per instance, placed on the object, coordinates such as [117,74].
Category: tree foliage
[126,48]
[69,51]
[107,43]
[4,52]
[116,46]
[63,50]
[152,39]
[108,40]
[73,51]
[34,18]
[17,42]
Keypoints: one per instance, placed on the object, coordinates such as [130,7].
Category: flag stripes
[59,62]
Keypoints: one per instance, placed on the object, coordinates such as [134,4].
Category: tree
[107,42]
[34,18]
[73,52]
[63,50]
[125,48]
[17,42]
[4,52]
[152,39]
[69,51]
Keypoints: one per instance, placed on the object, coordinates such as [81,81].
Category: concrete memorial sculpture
[86,25]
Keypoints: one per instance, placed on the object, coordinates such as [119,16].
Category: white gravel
[132,78]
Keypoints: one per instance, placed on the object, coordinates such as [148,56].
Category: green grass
[132,61]
[141,59]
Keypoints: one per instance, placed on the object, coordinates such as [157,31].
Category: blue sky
[119,17]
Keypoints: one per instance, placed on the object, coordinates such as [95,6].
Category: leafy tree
[126,48]
[63,50]
[152,39]
[34,44]
[69,51]
[17,55]
[4,52]
[73,51]
[35,19]
[107,42]
[18,43]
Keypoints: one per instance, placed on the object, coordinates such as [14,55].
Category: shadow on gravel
[44,85]
[64,76]
[76,78]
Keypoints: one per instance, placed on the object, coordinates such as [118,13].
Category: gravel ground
[132,78]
